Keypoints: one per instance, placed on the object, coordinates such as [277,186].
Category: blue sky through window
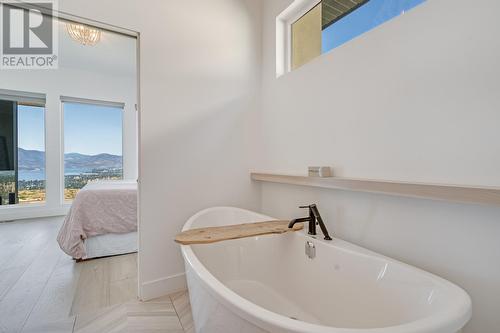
[88,129]
[31,127]
[363,19]
[92,129]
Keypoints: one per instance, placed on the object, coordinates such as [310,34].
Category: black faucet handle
[311,207]
[308,206]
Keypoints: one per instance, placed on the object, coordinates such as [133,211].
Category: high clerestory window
[331,23]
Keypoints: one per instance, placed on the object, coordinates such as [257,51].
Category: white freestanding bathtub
[268,284]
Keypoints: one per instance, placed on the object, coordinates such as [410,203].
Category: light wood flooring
[44,290]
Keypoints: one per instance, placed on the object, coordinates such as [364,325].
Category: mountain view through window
[92,145]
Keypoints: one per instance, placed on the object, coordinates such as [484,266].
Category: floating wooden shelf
[456,193]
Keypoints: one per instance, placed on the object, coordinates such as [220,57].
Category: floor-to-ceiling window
[8,146]
[92,144]
[22,149]
[31,153]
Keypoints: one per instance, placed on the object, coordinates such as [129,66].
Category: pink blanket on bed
[99,208]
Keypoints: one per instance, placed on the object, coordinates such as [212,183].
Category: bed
[102,221]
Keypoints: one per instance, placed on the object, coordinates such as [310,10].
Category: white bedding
[99,208]
[110,245]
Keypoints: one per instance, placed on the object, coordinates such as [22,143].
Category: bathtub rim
[452,319]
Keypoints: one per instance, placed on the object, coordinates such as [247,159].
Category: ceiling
[114,54]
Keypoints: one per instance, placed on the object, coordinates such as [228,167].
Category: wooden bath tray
[217,234]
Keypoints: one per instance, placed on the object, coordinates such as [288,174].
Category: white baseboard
[161,287]
[30,211]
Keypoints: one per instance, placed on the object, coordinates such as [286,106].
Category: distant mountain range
[32,160]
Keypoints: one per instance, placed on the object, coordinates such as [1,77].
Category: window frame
[95,102]
[27,98]
[284,23]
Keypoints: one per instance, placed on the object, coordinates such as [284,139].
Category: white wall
[81,83]
[200,65]
[415,99]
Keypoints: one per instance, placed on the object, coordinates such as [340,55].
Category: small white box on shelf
[320,171]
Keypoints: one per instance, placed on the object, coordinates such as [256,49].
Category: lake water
[31,175]
[40,174]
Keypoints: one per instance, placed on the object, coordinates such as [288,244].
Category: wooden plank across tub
[217,234]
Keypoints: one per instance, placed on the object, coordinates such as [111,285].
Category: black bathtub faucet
[313,219]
